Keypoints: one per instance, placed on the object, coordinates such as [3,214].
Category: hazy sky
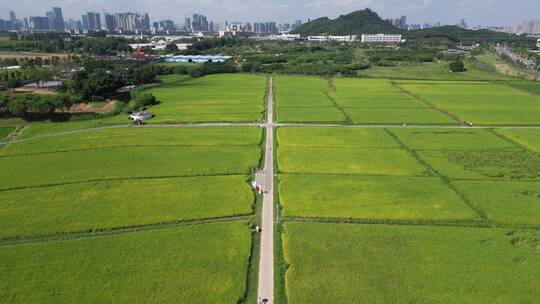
[476,12]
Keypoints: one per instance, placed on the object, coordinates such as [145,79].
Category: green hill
[356,23]
[456,33]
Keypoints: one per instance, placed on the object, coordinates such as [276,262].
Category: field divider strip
[354,174]
[121,179]
[454,117]
[443,178]
[409,126]
[348,119]
[510,140]
[119,230]
[466,224]
[395,222]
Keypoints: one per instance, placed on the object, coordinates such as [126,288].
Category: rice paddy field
[383,195]
[214,98]
[480,103]
[188,264]
[367,101]
[409,215]
[340,263]
[155,213]
[305,99]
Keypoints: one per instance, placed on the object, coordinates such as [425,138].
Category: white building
[325,38]
[538,43]
[285,37]
[381,38]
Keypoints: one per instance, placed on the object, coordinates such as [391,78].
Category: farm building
[196,58]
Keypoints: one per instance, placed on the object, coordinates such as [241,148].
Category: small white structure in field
[139,117]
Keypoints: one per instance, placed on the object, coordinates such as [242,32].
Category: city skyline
[476,12]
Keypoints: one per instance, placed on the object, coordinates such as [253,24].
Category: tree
[457,66]
[13,82]
[171,48]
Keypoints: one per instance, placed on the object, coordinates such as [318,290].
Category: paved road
[266,262]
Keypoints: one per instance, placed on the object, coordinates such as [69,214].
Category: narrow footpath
[266,262]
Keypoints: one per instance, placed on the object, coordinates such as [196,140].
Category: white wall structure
[324,38]
[381,38]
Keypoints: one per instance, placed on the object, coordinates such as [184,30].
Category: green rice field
[305,99]
[107,178]
[190,264]
[337,263]
[480,103]
[409,185]
[435,215]
[214,98]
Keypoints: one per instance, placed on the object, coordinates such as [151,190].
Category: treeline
[383,56]
[25,104]
[98,80]
[64,42]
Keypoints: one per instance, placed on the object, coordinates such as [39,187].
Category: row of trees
[24,104]
[64,42]
[15,78]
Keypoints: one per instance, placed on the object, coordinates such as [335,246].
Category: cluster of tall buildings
[529,27]
[257,28]
[400,22]
[54,21]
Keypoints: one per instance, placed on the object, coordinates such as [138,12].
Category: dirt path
[266,262]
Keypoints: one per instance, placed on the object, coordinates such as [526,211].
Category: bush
[141,101]
[457,66]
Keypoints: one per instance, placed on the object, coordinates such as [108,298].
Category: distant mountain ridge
[356,23]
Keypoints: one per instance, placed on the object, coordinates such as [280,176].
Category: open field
[336,263]
[125,162]
[481,104]
[110,178]
[423,202]
[429,71]
[452,139]
[105,205]
[530,139]
[528,86]
[334,137]
[190,264]
[505,202]
[220,98]
[305,99]
[129,153]
[499,165]
[138,137]
[347,160]
[371,198]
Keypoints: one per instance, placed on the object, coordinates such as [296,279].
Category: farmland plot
[104,179]
[304,99]
[359,173]
[528,138]
[371,198]
[377,101]
[190,264]
[214,98]
[480,103]
[409,264]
